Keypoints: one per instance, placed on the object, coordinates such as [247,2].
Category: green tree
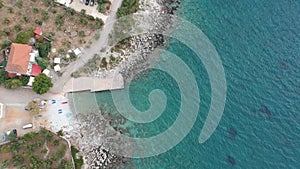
[44,49]
[18,160]
[12,83]
[22,37]
[42,84]
[25,80]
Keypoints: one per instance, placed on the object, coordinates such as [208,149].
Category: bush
[6,31]
[5,43]
[38,22]
[101,8]
[60,133]
[55,142]
[59,20]
[103,63]
[35,10]
[25,18]
[45,15]
[70,11]
[6,21]
[19,4]
[12,83]
[5,164]
[17,27]
[10,9]
[22,37]
[81,33]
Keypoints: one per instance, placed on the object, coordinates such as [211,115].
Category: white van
[27,126]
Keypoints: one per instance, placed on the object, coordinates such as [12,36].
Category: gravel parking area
[15,118]
[90,10]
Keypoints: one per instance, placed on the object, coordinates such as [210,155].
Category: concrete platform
[94,84]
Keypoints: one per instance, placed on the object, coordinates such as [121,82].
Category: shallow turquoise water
[259,44]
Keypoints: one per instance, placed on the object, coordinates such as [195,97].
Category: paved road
[19,97]
[88,53]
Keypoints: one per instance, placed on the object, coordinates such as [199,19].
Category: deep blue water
[258,42]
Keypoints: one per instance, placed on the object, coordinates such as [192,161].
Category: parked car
[87,2]
[27,126]
[92,3]
[27,108]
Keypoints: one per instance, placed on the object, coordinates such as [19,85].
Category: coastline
[95,146]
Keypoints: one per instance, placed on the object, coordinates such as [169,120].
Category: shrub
[59,20]
[44,151]
[103,63]
[38,22]
[6,21]
[81,33]
[6,31]
[70,11]
[53,10]
[35,10]
[25,18]
[60,133]
[10,9]
[101,8]
[1,4]
[5,43]
[18,27]
[19,4]
[12,83]
[5,164]
[55,142]
[18,160]
[45,15]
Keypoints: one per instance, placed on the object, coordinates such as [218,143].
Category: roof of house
[18,58]
[36,70]
[38,31]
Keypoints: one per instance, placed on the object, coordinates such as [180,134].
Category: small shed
[57,68]
[38,32]
[31,80]
[77,51]
[46,72]
[57,60]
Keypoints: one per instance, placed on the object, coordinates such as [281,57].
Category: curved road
[87,54]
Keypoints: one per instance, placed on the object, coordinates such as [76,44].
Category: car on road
[87,2]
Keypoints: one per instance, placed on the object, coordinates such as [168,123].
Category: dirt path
[88,53]
[46,147]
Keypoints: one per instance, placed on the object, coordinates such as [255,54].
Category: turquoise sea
[258,42]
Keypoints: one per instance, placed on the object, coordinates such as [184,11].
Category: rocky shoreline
[96,145]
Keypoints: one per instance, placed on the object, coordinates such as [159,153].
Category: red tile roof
[18,58]
[36,70]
